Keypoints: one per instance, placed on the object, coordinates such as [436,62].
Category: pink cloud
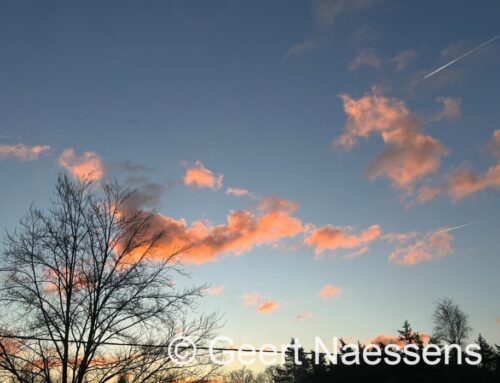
[268,307]
[88,166]
[23,152]
[272,203]
[214,290]
[427,193]
[409,154]
[238,192]
[451,108]
[432,246]
[393,339]
[357,253]
[329,291]
[494,146]
[333,238]
[199,176]
[399,237]
[250,299]
[462,182]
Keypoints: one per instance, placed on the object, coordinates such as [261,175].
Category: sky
[323,179]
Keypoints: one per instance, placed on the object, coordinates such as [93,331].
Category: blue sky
[252,90]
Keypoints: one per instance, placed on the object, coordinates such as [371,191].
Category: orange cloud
[332,238]
[243,231]
[214,290]
[199,176]
[251,299]
[462,182]
[267,307]
[22,152]
[432,246]
[88,166]
[329,291]
[393,339]
[409,154]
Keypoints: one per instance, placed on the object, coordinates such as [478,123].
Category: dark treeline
[488,370]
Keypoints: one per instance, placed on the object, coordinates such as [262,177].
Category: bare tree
[451,324]
[87,301]
[244,375]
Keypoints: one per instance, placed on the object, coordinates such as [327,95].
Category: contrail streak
[459,227]
[461,57]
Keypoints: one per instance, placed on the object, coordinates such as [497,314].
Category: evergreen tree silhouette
[292,372]
[488,355]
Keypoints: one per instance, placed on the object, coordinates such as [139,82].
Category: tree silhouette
[488,355]
[451,324]
[292,371]
[80,276]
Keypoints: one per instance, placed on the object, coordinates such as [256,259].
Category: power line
[124,344]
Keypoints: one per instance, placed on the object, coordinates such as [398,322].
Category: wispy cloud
[429,247]
[494,146]
[451,109]
[463,182]
[199,176]
[329,291]
[22,152]
[366,58]
[330,238]
[251,299]
[302,47]
[326,11]
[239,192]
[402,59]
[214,290]
[87,166]
[428,193]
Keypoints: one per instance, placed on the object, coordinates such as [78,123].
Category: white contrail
[458,227]
[461,57]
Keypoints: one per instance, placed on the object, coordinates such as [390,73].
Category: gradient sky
[352,162]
